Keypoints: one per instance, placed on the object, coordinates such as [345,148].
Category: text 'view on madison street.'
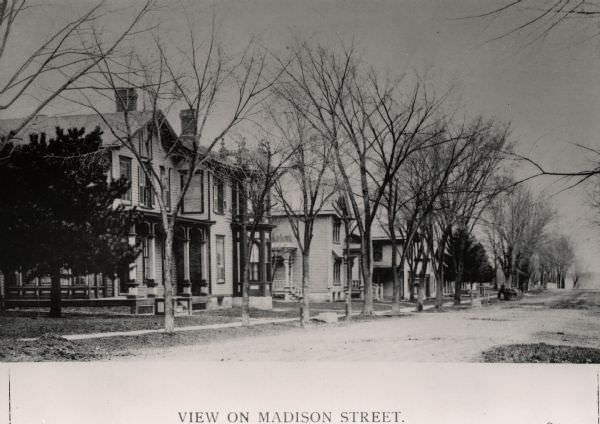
[300,181]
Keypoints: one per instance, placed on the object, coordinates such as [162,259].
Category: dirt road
[556,317]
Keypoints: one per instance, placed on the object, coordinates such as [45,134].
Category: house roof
[323,212]
[112,125]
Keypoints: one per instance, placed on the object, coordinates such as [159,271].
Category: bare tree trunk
[512,280]
[439,272]
[170,279]
[305,310]
[367,271]
[471,292]
[244,275]
[411,278]
[439,288]
[348,270]
[395,282]
[543,280]
[420,288]
[420,297]
[55,295]
[460,267]
[349,289]
[458,283]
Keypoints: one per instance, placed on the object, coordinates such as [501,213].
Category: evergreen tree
[59,209]
[475,262]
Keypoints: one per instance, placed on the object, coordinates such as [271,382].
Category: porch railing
[73,287]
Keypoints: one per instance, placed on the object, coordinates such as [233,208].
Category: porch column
[206,285]
[187,284]
[286,267]
[132,285]
[151,282]
[290,276]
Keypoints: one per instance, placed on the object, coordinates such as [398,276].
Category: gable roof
[109,123]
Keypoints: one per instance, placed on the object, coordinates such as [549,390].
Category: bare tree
[557,255]
[341,206]
[537,18]
[198,75]
[411,199]
[577,272]
[516,223]
[470,189]
[374,125]
[306,189]
[257,171]
[63,58]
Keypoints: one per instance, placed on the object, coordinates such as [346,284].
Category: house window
[165,179]
[145,186]
[377,252]
[146,257]
[254,264]
[337,225]
[220,248]
[337,270]
[219,197]
[234,200]
[145,144]
[125,173]
[193,201]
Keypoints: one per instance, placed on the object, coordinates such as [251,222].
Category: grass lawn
[56,348]
[27,323]
[49,346]
[542,352]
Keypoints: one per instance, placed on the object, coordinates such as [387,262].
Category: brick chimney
[188,122]
[126,99]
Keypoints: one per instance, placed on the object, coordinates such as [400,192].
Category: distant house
[206,245]
[382,268]
[327,270]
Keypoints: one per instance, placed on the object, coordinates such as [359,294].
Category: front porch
[137,306]
[284,285]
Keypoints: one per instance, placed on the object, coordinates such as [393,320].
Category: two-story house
[327,270]
[382,268]
[206,244]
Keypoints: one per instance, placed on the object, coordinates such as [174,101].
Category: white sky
[548,90]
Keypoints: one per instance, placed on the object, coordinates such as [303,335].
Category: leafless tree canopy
[72,51]
[535,19]
[517,224]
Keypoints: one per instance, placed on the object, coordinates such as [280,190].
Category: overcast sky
[548,90]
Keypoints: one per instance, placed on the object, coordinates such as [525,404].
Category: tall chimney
[126,99]
[188,122]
